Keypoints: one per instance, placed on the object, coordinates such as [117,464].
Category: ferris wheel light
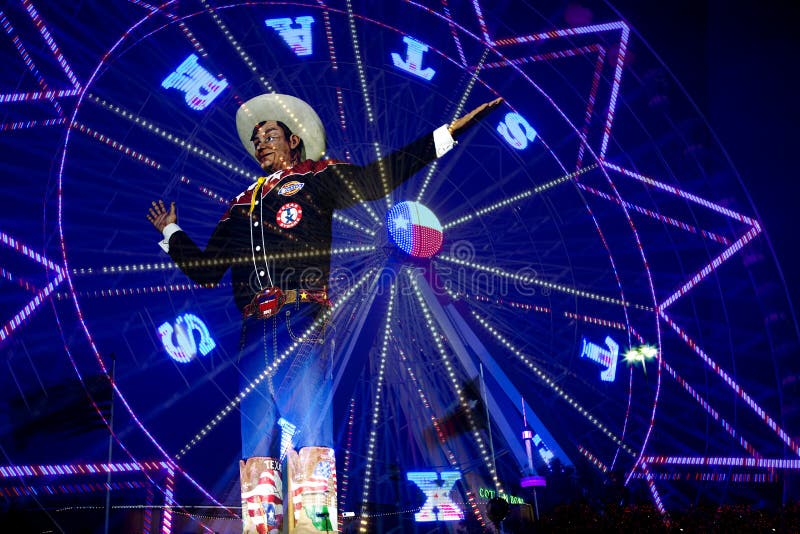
[414,229]
[589,270]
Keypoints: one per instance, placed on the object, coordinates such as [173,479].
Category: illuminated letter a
[298,39]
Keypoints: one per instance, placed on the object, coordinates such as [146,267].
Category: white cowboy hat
[301,119]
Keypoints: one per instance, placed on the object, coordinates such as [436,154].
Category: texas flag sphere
[414,229]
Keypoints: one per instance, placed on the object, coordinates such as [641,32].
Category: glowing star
[401,223]
[270,509]
[641,355]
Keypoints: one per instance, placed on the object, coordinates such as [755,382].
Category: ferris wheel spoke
[379,388]
[363,230]
[453,375]
[455,115]
[488,307]
[512,200]
[174,138]
[237,46]
[527,278]
[362,78]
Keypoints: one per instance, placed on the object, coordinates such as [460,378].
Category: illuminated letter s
[516,131]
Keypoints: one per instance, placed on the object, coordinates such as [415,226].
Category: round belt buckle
[269,301]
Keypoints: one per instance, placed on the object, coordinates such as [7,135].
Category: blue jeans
[295,400]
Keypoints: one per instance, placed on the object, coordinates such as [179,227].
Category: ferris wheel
[579,284]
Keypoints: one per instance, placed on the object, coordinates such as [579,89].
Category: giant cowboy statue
[275,237]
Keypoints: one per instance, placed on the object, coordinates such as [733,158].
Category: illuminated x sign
[437,487]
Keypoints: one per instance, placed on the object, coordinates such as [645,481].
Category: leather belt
[268,302]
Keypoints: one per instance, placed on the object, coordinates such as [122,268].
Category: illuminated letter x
[437,488]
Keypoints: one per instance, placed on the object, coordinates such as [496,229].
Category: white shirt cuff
[443,140]
[167,232]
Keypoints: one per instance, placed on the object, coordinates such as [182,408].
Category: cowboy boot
[262,495]
[312,488]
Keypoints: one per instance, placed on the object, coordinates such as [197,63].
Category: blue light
[606,358]
[297,33]
[438,505]
[413,61]
[516,131]
[199,86]
[541,447]
[287,431]
[179,341]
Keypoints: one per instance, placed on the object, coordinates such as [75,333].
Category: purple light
[733,385]
[650,213]
[64,489]
[37,95]
[533,482]
[40,297]
[51,43]
[725,461]
[592,458]
[15,471]
[24,125]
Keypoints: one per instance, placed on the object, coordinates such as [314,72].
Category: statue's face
[273,149]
